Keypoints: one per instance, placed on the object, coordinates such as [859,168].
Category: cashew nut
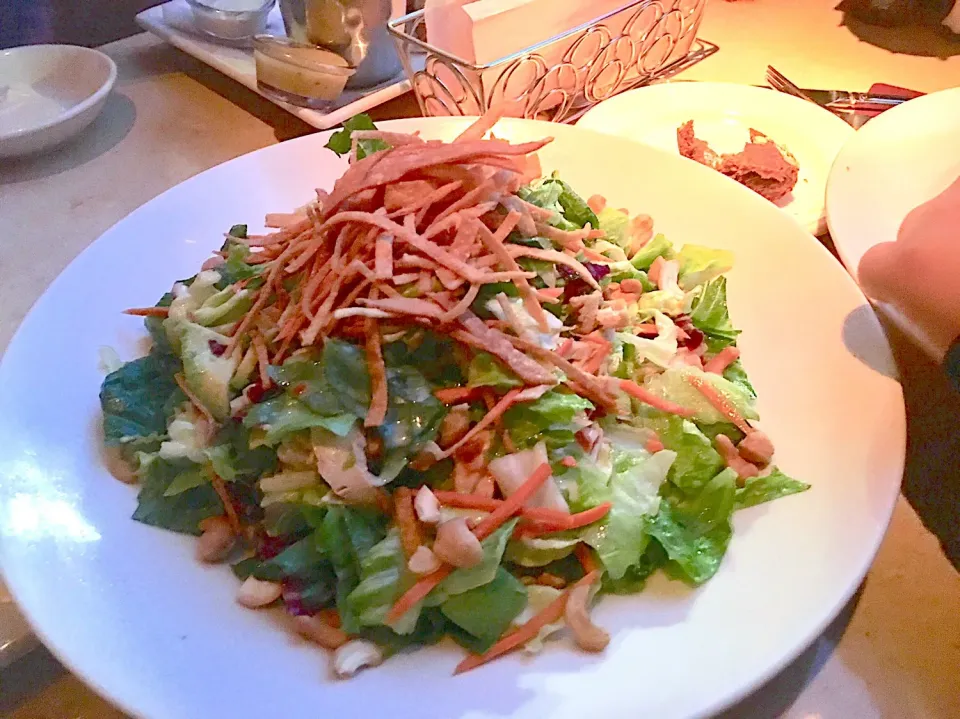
[587,635]
[756,447]
[427,506]
[216,541]
[255,593]
[119,467]
[354,656]
[457,545]
[423,561]
[319,632]
[454,425]
[551,580]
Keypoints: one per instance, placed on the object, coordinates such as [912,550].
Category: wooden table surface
[893,652]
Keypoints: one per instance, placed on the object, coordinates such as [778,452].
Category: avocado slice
[206,373]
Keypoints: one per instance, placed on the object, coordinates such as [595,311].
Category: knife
[840,99]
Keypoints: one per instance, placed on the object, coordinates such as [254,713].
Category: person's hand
[919,274]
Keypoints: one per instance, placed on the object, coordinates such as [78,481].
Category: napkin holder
[560,78]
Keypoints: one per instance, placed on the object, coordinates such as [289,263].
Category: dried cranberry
[255,392]
[575,288]
[293,597]
[218,348]
[693,340]
[598,272]
[269,547]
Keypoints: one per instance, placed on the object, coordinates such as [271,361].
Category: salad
[448,398]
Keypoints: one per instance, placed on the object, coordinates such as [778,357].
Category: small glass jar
[354,29]
[299,74]
[231,19]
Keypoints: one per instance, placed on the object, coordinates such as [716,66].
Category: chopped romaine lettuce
[634,492]
[710,315]
[758,490]
[182,511]
[485,370]
[658,246]
[485,612]
[463,580]
[138,399]
[695,555]
[697,461]
[699,265]
[673,385]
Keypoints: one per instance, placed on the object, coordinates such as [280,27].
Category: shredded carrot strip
[263,359]
[523,634]
[228,508]
[407,523]
[647,397]
[182,384]
[417,593]
[569,521]
[587,558]
[148,311]
[378,376]
[513,503]
[720,403]
[654,445]
[723,359]
[502,406]
[384,257]
[456,395]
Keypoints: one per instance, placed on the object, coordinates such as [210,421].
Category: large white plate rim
[19,579]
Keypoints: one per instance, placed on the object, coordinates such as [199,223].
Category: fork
[779,81]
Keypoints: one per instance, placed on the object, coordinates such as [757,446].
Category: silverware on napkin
[832,99]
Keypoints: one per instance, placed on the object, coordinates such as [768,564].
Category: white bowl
[49,93]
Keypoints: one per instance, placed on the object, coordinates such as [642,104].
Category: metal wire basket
[560,78]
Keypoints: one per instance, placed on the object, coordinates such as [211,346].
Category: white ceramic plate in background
[128,608]
[723,114]
[49,93]
[898,160]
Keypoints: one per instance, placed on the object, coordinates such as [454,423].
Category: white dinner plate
[723,115]
[901,159]
[128,608]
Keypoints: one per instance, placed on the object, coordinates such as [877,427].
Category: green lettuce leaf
[486,612]
[673,385]
[658,246]
[710,314]
[615,225]
[184,510]
[699,265]
[138,399]
[548,417]
[341,141]
[695,555]
[541,551]
[574,208]
[758,490]
[235,267]
[697,461]
[281,416]
[485,370]
[463,580]
[346,536]
[622,537]
[383,578]
[345,369]
[635,578]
